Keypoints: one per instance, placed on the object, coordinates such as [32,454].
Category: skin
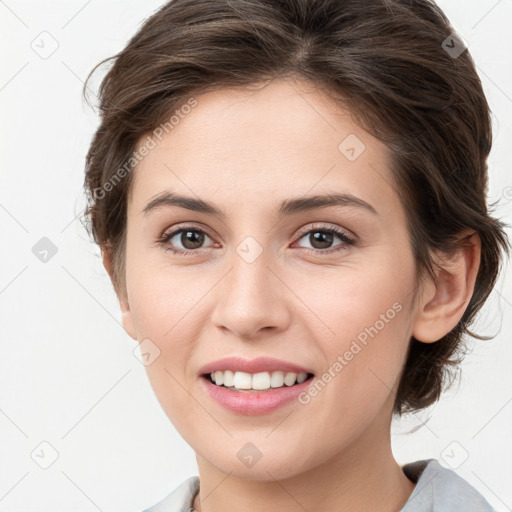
[246,151]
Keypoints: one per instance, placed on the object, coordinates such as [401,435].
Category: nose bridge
[249,279]
[250,297]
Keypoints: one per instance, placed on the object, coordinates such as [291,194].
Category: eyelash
[348,242]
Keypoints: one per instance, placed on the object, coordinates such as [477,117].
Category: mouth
[260,390]
[256,383]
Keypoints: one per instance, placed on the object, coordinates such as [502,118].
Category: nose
[252,298]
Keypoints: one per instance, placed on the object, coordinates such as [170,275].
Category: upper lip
[260,364]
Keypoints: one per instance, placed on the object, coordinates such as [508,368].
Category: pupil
[322,238]
[193,237]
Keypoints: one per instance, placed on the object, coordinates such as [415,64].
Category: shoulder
[439,489]
[180,500]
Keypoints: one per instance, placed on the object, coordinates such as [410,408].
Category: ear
[444,300]
[126,314]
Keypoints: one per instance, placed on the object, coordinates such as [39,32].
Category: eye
[192,238]
[322,237]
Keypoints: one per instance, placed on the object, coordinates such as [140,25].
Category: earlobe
[444,301]
[127,319]
[106,256]
[126,314]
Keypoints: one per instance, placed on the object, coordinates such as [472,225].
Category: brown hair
[388,61]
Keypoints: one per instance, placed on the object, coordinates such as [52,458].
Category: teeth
[257,381]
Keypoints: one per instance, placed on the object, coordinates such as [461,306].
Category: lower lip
[252,404]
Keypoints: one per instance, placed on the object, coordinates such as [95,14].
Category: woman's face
[264,282]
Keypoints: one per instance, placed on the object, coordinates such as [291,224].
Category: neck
[363,477]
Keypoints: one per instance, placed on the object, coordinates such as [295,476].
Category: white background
[68,374]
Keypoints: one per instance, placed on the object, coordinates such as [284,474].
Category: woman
[290,201]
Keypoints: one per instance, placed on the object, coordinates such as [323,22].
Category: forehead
[248,147]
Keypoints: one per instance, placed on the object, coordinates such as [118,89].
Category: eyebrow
[287,207]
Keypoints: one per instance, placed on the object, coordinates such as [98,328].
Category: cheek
[161,299]
[165,308]
[364,328]
[348,301]
[163,318]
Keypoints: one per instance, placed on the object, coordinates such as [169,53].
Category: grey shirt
[438,489]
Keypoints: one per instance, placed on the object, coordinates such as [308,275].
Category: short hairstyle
[387,61]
